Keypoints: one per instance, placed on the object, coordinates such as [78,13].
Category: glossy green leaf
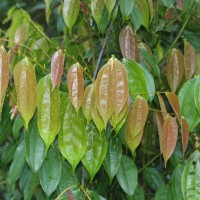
[138,194]
[136,17]
[187,97]
[144,10]
[168,3]
[197,93]
[136,79]
[95,151]
[48,10]
[154,178]
[151,61]
[70,12]
[28,183]
[18,124]
[72,134]
[4,75]
[128,41]
[50,172]
[127,175]
[48,107]
[176,182]
[191,177]
[113,157]
[35,147]
[97,11]
[110,5]
[25,84]
[126,8]
[18,162]
[164,193]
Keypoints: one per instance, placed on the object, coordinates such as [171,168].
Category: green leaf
[18,162]
[126,8]
[168,3]
[187,100]
[18,124]
[139,193]
[176,182]
[28,183]
[110,5]
[95,151]
[48,105]
[136,79]
[164,193]
[127,175]
[35,148]
[72,135]
[97,7]
[70,12]
[48,10]
[197,93]
[154,178]
[113,157]
[144,10]
[25,84]
[136,17]
[191,177]
[50,172]
[151,62]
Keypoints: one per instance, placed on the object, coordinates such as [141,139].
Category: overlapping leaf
[97,10]
[75,83]
[191,177]
[57,67]
[136,122]
[169,137]
[110,5]
[126,8]
[184,134]
[48,107]
[70,12]
[162,105]
[72,134]
[175,69]
[129,43]
[95,151]
[190,60]
[25,84]
[4,75]
[50,172]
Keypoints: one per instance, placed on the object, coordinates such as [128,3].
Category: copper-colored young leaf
[57,67]
[21,34]
[162,105]
[173,100]
[70,12]
[25,84]
[159,123]
[129,43]
[87,102]
[96,117]
[137,118]
[119,86]
[75,83]
[169,137]
[184,134]
[4,75]
[175,69]
[190,60]
[48,106]
[103,93]
[97,10]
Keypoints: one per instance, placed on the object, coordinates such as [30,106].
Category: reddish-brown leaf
[175,69]
[4,75]
[169,137]
[21,34]
[159,123]
[128,43]
[87,102]
[57,67]
[180,4]
[75,83]
[136,120]
[173,100]
[162,105]
[190,60]
[119,87]
[103,93]
[185,134]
